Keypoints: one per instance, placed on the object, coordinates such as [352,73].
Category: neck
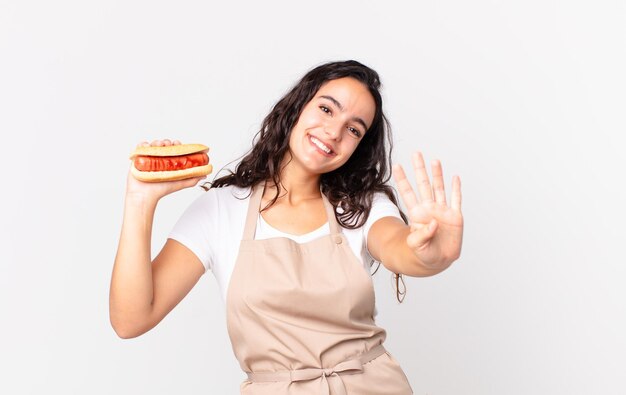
[296,184]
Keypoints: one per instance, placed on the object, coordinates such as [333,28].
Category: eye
[325,109]
[355,132]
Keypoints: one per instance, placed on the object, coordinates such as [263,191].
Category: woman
[288,236]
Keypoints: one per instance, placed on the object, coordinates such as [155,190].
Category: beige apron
[300,317]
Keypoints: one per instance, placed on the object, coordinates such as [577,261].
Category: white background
[524,100]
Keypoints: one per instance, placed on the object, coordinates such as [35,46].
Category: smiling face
[331,125]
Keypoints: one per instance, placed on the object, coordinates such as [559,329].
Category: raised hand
[156,190]
[436,227]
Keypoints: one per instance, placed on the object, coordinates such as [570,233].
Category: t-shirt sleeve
[196,228]
[382,206]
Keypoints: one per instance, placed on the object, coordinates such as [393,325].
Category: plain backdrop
[524,100]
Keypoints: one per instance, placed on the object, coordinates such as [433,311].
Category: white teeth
[320,145]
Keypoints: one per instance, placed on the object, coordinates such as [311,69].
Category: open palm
[436,227]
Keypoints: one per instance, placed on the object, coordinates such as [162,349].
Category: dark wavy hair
[350,187]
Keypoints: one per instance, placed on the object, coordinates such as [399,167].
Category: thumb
[195,181]
[421,234]
[187,183]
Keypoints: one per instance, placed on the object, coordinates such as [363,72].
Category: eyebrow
[335,102]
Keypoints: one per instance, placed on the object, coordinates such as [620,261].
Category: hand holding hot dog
[156,172]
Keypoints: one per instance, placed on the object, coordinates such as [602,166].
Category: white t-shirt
[212,228]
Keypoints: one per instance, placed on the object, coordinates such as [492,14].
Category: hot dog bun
[169,150]
[179,150]
[171,175]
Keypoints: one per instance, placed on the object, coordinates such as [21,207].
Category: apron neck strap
[255,205]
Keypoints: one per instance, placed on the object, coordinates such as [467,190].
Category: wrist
[140,200]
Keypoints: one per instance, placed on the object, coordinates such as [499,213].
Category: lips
[318,144]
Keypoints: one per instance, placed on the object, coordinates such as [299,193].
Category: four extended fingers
[423,183]
[159,143]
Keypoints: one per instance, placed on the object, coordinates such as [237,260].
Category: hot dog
[170,163]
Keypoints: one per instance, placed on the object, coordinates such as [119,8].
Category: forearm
[399,258]
[131,293]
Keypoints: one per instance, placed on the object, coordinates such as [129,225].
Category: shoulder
[230,190]
[381,198]
[225,195]
[229,204]
[382,207]
[382,202]
[232,196]
[217,203]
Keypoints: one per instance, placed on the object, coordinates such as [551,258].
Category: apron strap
[253,211]
[330,214]
[255,205]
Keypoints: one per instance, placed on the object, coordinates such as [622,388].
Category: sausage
[166,163]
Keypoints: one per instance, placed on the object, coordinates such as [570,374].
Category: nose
[333,130]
